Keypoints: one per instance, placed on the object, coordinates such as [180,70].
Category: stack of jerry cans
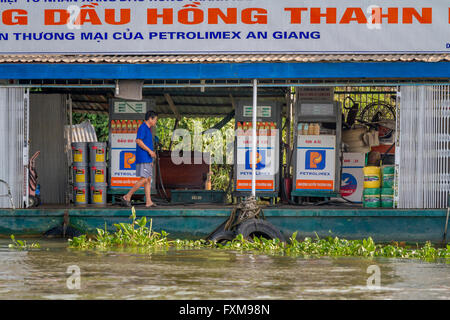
[97,169]
[80,173]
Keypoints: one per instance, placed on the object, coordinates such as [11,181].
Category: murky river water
[210,274]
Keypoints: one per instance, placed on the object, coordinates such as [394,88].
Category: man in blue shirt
[144,159]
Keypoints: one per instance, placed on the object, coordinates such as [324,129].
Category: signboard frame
[221,27]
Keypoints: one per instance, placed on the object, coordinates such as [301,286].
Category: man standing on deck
[144,159]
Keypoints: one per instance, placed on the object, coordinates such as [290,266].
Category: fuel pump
[268,148]
[125,117]
[317,154]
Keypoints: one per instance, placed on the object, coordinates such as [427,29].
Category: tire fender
[222,236]
[252,227]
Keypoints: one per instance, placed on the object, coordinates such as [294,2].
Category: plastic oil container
[387,197]
[80,152]
[372,177]
[371,198]
[387,173]
[98,173]
[80,194]
[97,152]
[80,173]
[98,194]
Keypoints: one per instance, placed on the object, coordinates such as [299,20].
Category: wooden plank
[172,106]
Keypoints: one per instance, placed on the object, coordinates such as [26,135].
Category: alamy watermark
[73,282]
[374,281]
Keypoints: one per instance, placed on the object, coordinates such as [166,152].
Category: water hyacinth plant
[138,235]
[22,245]
[134,234]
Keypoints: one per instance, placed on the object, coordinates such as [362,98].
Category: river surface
[210,274]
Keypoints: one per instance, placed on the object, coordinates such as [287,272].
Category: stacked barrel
[372,184]
[89,173]
[80,173]
[378,186]
[387,191]
[97,169]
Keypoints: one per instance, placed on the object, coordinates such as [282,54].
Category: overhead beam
[172,106]
[204,71]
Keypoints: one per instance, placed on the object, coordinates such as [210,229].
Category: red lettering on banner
[192,15]
[425,18]
[359,17]
[88,15]
[15,17]
[330,15]
[296,14]
[229,18]
[254,16]
[377,15]
[166,15]
[55,17]
[356,14]
[110,16]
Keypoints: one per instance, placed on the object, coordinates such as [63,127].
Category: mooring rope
[245,210]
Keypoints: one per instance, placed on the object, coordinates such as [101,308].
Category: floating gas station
[341,129]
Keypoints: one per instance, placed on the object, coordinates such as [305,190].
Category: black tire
[223,236]
[32,201]
[57,232]
[259,228]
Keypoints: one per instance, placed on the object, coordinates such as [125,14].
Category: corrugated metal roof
[222,58]
[83,132]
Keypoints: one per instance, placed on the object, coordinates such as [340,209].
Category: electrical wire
[159,173]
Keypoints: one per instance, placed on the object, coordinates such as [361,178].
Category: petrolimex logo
[315,160]
[260,160]
[127,160]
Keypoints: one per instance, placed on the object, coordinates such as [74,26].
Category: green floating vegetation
[22,245]
[135,234]
[138,235]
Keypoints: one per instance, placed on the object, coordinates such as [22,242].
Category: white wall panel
[424,171]
[12,140]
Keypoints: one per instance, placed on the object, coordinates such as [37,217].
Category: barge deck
[197,221]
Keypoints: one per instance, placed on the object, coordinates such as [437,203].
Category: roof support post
[233,102]
[253,152]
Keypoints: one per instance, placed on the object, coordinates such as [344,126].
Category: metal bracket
[66,222]
[444,240]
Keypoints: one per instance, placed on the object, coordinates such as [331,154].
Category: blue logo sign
[315,159]
[260,160]
[127,160]
[349,184]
